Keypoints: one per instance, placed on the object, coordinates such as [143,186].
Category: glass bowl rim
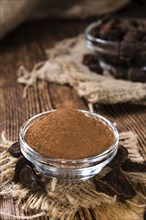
[88,36]
[45,159]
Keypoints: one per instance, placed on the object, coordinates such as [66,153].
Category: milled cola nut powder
[69,134]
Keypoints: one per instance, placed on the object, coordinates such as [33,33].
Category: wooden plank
[65,97]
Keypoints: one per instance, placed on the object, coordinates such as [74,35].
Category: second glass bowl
[73,170]
[114,55]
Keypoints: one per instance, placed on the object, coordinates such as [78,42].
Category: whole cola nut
[15,150]
[131,166]
[120,158]
[21,162]
[136,75]
[131,36]
[105,29]
[29,178]
[88,59]
[103,186]
[95,68]
[118,180]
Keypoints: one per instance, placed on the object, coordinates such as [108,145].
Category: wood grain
[27,47]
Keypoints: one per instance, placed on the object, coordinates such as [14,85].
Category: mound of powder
[68,134]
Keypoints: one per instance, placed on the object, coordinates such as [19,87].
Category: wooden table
[27,47]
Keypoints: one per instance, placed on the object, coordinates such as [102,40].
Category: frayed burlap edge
[62,200]
[64,66]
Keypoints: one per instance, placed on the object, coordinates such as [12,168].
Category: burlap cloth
[64,66]
[14,12]
[62,200]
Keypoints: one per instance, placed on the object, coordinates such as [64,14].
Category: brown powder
[69,134]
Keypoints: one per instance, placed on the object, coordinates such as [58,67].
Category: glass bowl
[114,55]
[73,170]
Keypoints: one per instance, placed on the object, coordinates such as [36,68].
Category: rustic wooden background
[26,47]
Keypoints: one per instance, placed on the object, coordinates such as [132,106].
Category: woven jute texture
[64,66]
[62,200]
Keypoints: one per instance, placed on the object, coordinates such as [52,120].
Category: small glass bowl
[73,170]
[116,55]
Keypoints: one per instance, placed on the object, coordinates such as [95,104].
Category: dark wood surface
[26,46]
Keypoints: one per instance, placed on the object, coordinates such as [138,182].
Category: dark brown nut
[128,50]
[104,187]
[105,29]
[133,167]
[92,62]
[143,38]
[88,59]
[131,36]
[118,73]
[29,178]
[15,150]
[115,62]
[95,68]
[117,179]
[140,60]
[120,158]
[125,51]
[126,25]
[115,35]
[136,75]
[22,161]
[141,34]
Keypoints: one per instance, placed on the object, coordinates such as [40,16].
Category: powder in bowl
[69,134]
